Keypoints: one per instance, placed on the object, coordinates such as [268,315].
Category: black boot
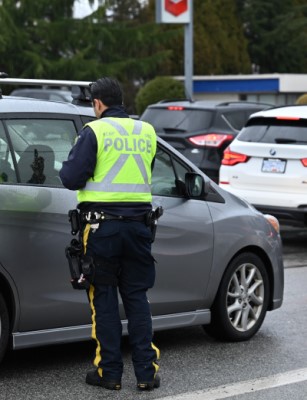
[149,385]
[93,378]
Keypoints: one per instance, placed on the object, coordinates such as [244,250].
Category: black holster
[152,221]
[81,266]
[75,221]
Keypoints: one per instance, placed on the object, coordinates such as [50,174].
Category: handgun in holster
[152,221]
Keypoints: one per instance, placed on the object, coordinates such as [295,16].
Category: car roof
[44,93]
[13,105]
[39,90]
[206,104]
[295,111]
[79,89]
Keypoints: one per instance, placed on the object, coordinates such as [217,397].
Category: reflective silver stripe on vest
[137,128]
[106,184]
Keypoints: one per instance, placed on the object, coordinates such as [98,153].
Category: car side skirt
[22,340]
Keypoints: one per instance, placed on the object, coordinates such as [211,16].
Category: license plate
[273,165]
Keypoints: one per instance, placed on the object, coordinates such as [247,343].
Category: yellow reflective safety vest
[125,150]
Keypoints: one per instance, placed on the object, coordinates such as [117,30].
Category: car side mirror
[196,185]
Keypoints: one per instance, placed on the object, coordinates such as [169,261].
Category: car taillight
[175,108]
[211,139]
[304,161]
[232,158]
[289,118]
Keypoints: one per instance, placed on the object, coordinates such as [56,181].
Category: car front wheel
[4,327]
[242,300]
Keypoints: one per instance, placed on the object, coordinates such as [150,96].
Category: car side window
[40,146]
[7,169]
[168,175]
[85,119]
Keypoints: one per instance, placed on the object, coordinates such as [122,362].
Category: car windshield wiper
[173,130]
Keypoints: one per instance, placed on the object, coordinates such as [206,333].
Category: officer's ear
[99,106]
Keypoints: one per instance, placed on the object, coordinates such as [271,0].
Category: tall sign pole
[188,54]
[180,12]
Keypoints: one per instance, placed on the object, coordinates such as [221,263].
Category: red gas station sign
[176,7]
[173,11]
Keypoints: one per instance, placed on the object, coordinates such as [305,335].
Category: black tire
[4,327]
[241,301]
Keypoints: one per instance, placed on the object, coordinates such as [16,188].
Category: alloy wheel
[245,297]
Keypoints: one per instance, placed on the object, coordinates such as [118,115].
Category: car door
[35,230]
[183,247]
[34,227]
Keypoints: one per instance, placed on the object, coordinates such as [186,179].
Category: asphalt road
[294,246]
[193,366]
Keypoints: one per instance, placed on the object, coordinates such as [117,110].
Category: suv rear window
[237,118]
[272,130]
[185,119]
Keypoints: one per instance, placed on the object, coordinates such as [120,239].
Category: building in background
[278,89]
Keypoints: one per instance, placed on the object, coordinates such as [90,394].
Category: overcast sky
[82,8]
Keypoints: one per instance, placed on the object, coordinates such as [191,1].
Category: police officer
[110,166]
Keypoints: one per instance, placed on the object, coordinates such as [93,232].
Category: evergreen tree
[219,43]
[277,34]
[33,33]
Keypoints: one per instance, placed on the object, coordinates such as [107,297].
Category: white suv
[266,164]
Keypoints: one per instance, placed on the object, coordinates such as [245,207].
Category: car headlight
[273,221]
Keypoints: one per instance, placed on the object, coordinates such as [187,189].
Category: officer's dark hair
[107,90]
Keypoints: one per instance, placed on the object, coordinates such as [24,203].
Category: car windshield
[183,119]
[272,130]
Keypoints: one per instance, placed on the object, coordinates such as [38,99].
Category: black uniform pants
[126,246]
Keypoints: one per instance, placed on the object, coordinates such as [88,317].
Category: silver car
[218,260]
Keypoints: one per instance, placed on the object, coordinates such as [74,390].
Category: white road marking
[251,386]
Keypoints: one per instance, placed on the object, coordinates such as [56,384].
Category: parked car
[45,94]
[219,261]
[267,164]
[200,130]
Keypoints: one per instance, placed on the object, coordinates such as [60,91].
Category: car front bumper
[288,208]
[286,216]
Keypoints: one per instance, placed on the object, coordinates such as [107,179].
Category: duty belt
[94,218]
[99,216]
[81,266]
